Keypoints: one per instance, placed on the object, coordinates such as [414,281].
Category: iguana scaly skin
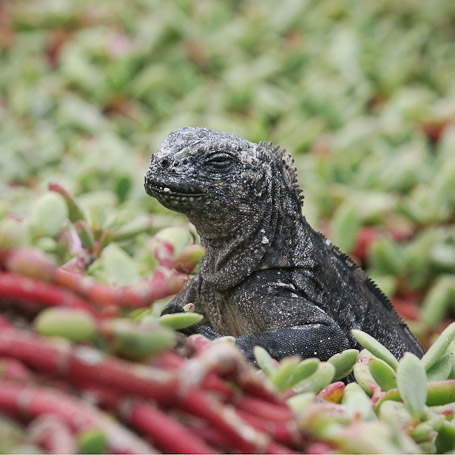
[268,278]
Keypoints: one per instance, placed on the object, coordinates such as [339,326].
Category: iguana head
[211,174]
[237,193]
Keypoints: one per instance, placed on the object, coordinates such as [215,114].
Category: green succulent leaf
[442,369]
[344,362]
[383,374]
[302,370]
[412,383]
[375,347]
[322,377]
[265,361]
[179,321]
[439,347]
[280,378]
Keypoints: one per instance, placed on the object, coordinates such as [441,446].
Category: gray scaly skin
[268,278]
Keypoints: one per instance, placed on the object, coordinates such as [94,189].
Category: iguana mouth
[154,186]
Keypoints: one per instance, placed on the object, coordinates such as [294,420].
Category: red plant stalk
[168,434]
[169,360]
[225,360]
[226,420]
[284,432]
[75,212]
[61,359]
[210,434]
[51,433]
[14,370]
[271,412]
[4,323]
[80,362]
[164,253]
[78,264]
[35,291]
[36,401]
[33,263]
[242,436]
[217,439]
[196,344]
[95,394]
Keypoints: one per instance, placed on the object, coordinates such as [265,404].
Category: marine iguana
[268,278]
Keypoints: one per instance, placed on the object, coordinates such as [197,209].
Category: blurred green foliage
[361,92]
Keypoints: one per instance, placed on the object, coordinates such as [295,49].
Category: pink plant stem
[14,370]
[80,362]
[225,361]
[75,212]
[32,290]
[169,435]
[242,436]
[4,323]
[167,388]
[36,401]
[212,435]
[78,264]
[163,283]
[32,263]
[272,412]
[284,432]
[49,432]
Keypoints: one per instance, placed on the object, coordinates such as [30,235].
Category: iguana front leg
[312,334]
[310,340]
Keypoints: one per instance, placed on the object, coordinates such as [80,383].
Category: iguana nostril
[164,163]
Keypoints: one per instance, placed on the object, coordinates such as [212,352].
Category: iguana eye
[220,161]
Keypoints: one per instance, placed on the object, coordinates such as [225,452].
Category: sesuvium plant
[405,406]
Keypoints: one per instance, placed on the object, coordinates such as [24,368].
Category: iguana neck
[272,236]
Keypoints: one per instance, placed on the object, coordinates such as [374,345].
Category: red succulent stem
[14,370]
[143,293]
[81,362]
[75,212]
[231,427]
[37,401]
[169,435]
[32,263]
[226,361]
[78,264]
[272,412]
[34,291]
[242,436]
[51,433]
[284,432]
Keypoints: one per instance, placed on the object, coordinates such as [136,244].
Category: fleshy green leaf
[412,383]
[441,369]
[375,347]
[280,377]
[265,361]
[322,377]
[179,321]
[344,362]
[304,369]
[72,324]
[383,374]
[439,347]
